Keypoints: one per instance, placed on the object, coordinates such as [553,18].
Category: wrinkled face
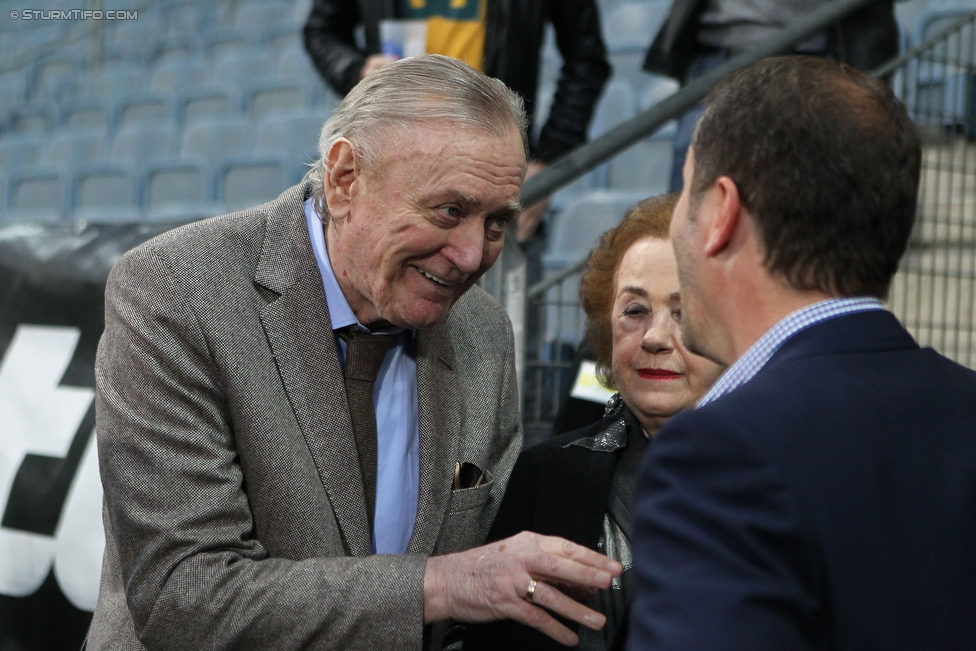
[656,375]
[685,246]
[425,223]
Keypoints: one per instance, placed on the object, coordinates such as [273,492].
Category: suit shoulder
[477,308]
[479,326]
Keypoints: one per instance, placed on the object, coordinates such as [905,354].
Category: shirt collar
[340,313]
[747,366]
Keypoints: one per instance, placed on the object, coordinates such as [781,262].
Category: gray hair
[425,88]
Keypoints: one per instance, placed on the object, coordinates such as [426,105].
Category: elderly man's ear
[342,171]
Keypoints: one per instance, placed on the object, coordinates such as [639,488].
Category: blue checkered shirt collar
[746,367]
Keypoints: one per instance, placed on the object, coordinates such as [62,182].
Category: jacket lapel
[299,332]
[439,412]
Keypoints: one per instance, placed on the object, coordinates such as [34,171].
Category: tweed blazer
[234,510]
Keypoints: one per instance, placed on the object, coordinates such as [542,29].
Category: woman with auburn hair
[580,485]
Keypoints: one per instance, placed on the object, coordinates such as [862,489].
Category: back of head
[827,162]
[429,89]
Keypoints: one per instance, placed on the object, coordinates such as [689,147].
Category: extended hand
[491,582]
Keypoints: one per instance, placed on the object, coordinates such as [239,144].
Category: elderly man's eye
[495,226]
[451,211]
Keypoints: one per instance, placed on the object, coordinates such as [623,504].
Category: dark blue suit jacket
[829,503]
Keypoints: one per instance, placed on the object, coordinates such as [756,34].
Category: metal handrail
[887,68]
[583,159]
[591,154]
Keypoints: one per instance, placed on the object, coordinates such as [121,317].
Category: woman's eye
[635,310]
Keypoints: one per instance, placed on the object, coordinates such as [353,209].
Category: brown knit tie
[364,356]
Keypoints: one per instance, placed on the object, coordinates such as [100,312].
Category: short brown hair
[826,159]
[649,218]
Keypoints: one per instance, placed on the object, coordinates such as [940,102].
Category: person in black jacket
[513,36]
[580,485]
[700,35]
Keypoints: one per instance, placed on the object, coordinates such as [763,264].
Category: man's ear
[341,172]
[728,217]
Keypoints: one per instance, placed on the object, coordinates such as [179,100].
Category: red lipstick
[657,374]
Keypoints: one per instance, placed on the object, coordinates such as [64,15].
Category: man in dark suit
[823,494]
[307,413]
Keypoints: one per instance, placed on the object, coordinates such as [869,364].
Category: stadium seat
[36,195]
[574,232]
[273,98]
[84,114]
[104,194]
[179,73]
[19,150]
[117,78]
[617,104]
[247,182]
[242,69]
[142,109]
[206,102]
[37,118]
[294,136]
[256,16]
[215,139]
[70,148]
[54,79]
[178,190]
[577,228]
[138,144]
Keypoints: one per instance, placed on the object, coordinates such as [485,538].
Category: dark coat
[556,489]
[828,503]
[514,34]
[864,40]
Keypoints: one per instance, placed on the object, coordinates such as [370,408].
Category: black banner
[52,284]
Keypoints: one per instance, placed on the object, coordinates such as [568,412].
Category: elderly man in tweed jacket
[236,511]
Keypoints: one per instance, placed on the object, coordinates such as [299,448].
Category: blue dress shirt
[395,397]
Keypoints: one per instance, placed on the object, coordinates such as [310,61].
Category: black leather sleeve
[330,41]
[585,71]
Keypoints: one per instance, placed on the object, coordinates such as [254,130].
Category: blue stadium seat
[617,104]
[206,102]
[578,227]
[69,148]
[19,150]
[266,99]
[135,41]
[179,73]
[117,78]
[178,190]
[85,113]
[242,69]
[250,181]
[142,109]
[104,194]
[217,139]
[36,195]
[293,62]
[54,79]
[294,136]
[138,144]
[188,17]
[256,16]
[629,29]
[13,90]
[37,118]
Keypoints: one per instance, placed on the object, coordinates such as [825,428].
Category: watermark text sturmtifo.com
[74,14]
